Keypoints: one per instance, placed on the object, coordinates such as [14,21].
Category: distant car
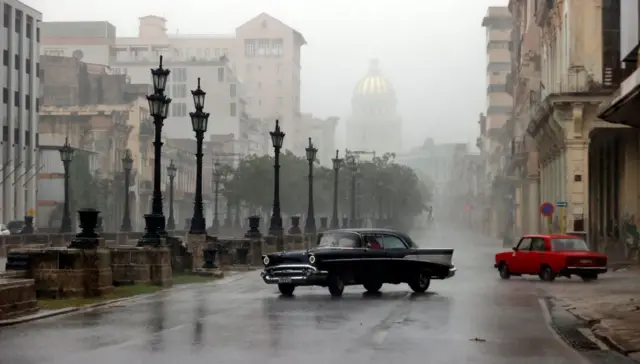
[16,226]
[550,256]
[370,257]
[4,230]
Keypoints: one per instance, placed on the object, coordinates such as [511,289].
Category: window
[37,110]
[220,74]
[249,47]
[178,109]
[497,88]
[7,15]
[232,107]
[232,90]
[499,110]
[571,244]
[179,91]
[16,62]
[179,75]
[5,95]
[392,242]
[525,244]
[276,47]
[207,52]
[5,57]
[38,34]
[29,25]
[16,98]
[498,66]
[263,47]
[27,102]
[278,67]
[27,63]
[18,21]
[537,244]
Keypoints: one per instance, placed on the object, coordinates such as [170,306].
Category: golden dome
[373,84]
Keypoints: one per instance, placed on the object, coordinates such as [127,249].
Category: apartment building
[255,71]
[20,54]
[92,42]
[498,24]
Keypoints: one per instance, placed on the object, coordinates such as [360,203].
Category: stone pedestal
[293,242]
[255,252]
[98,278]
[129,265]
[58,272]
[159,266]
[17,298]
[196,243]
[270,244]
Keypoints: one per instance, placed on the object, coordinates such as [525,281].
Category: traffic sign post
[562,205]
[547,209]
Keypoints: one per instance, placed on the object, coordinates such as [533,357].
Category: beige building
[255,71]
[498,196]
[323,134]
[374,123]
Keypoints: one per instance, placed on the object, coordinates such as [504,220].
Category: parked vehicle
[4,230]
[370,257]
[16,226]
[550,256]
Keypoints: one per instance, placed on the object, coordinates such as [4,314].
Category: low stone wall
[129,264]
[10,242]
[17,297]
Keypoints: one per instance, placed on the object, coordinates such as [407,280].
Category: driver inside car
[373,243]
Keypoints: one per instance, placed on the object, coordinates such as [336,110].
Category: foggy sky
[433,52]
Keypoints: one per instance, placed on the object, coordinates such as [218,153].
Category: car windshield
[343,240]
[569,244]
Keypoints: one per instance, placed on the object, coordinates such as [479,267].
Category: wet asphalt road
[471,318]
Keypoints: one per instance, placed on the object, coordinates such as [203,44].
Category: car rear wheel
[504,271]
[335,285]
[372,287]
[546,274]
[421,283]
[286,289]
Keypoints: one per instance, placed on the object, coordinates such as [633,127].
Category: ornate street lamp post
[310,222]
[337,162]
[277,138]
[199,121]
[354,169]
[158,108]
[171,172]
[66,155]
[217,175]
[127,165]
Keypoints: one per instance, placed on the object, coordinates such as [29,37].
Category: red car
[550,256]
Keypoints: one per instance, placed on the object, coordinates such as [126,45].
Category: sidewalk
[610,305]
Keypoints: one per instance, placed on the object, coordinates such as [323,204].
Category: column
[577,188]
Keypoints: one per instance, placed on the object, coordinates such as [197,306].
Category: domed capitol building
[374,124]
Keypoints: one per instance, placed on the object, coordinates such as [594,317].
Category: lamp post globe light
[310,222]
[66,155]
[337,163]
[277,138]
[159,109]
[351,160]
[199,121]
[171,172]
[127,165]
[217,176]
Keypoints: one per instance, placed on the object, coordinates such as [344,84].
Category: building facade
[499,208]
[20,85]
[374,123]
[323,135]
[92,42]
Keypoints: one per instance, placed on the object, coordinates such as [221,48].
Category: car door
[536,255]
[518,261]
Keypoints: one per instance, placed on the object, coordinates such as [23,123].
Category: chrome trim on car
[588,268]
[305,274]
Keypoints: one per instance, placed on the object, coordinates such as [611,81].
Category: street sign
[561,204]
[547,209]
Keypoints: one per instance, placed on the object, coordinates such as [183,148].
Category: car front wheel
[372,287]
[504,271]
[335,285]
[421,283]
[286,289]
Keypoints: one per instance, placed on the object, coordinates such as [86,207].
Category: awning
[625,108]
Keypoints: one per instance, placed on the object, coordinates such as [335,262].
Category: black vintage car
[370,257]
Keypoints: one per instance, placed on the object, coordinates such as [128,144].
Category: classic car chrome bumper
[452,272]
[297,274]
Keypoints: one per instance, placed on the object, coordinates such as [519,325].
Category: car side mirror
[515,249]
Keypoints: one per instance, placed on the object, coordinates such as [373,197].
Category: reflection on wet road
[472,318]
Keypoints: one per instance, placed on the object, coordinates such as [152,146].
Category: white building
[323,135]
[20,92]
[374,123]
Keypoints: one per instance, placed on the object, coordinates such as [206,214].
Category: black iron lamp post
[158,108]
[199,121]
[66,155]
[337,163]
[171,172]
[127,165]
[354,169]
[310,222]
[217,175]
[277,138]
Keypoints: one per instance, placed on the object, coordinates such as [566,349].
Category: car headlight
[265,260]
[312,259]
